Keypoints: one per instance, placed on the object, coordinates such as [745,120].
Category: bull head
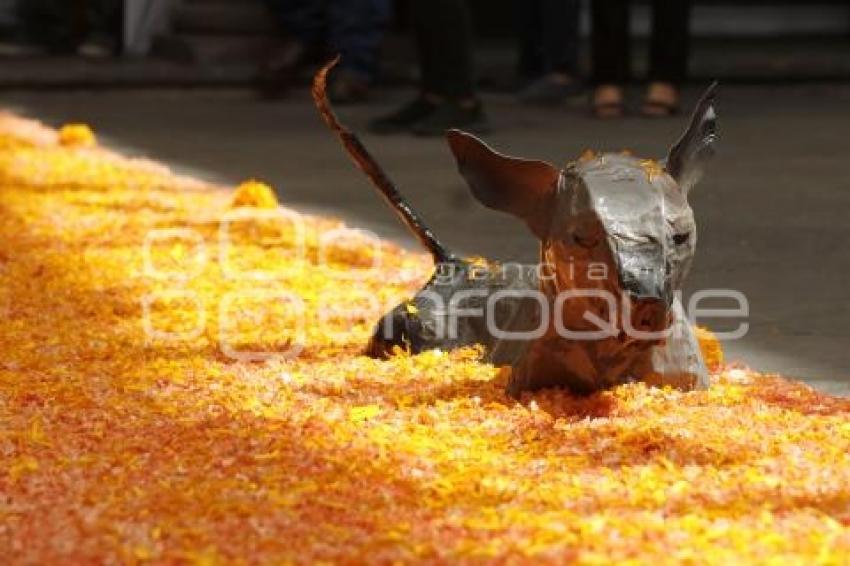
[606,222]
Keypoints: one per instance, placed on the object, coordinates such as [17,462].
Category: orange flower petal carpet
[173,389]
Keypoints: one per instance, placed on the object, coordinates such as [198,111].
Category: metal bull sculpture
[617,238]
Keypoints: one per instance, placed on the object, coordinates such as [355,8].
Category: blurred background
[218,89]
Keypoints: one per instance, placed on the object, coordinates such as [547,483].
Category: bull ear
[688,156]
[520,187]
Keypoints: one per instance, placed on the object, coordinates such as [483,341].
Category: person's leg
[610,42]
[447,98]
[611,55]
[529,19]
[670,43]
[302,24]
[446,30]
[559,36]
[426,101]
[56,24]
[668,54]
[356,31]
[301,19]
[104,16]
[104,27]
[448,25]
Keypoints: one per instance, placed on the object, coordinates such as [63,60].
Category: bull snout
[643,271]
[649,315]
[644,283]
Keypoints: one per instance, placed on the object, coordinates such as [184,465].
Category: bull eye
[681,239]
[586,240]
[586,234]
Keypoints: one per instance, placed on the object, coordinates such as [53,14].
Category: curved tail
[366,163]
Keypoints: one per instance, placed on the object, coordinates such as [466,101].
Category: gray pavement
[772,211]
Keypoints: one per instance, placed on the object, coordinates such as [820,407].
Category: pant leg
[611,53]
[302,19]
[104,17]
[670,43]
[425,50]
[560,33]
[444,29]
[529,20]
[356,31]
[58,24]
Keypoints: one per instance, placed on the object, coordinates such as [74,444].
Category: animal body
[617,237]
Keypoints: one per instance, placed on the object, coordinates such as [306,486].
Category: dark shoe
[280,69]
[403,119]
[450,115]
[348,87]
[549,91]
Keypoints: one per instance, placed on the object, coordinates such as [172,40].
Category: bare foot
[662,100]
[607,101]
